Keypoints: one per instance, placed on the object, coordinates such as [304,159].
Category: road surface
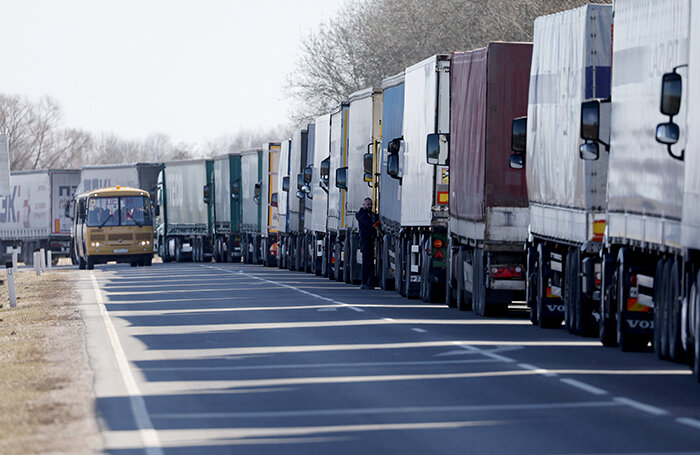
[235,358]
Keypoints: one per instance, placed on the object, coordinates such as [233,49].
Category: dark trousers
[368,265]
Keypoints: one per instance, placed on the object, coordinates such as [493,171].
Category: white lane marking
[397,410]
[148,434]
[690,422]
[653,410]
[416,329]
[388,319]
[583,386]
[471,348]
[296,366]
[542,371]
[311,294]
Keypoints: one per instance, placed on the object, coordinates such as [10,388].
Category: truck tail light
[507,272]
[598,230]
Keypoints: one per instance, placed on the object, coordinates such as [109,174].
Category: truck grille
[120,237]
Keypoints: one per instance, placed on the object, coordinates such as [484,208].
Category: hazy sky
[193,69]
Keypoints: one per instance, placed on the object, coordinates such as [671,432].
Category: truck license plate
[121,250]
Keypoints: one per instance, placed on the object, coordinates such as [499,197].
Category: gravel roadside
[46,395]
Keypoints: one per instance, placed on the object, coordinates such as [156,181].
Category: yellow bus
[112,224]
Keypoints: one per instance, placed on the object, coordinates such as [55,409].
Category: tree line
[369,40]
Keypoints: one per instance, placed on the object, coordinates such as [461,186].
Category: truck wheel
[673,312]
[81,263]
[695,302]
[532,285]
[626,341]
[465,301]
[217,251]
[451,281]
[660,341]
[355,269]
[545,322]
[399,271]
[568,309]
[90,262]
[134,263]
[580,319]
[338,273]
[388,282]
[148,261]
[178,253]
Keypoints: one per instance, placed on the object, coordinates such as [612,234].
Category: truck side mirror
[300,194]
[341,178]
[668,133]
[235,190]
[368,162]
[206,194]
[518,143]
[589,151]
[300,181]
[285,183]
[517,161]
[392,165]
[156,209]
[590,120]
[437,148]
[273,200]
[308,174]
[257,192]
[325,170]
[671,90]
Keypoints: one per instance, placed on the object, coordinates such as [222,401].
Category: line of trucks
[564,173]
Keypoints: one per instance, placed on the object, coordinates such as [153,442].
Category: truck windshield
[118,211]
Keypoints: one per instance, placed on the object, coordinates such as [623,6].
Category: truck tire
[626,341]
[545,322]
[660,287]
[695,302]
[673,312]
[82,264]
[149,261]
[532,285]
[451,281]
[356,268]
[478,295]
[568,301]
[465,301]
[388,282]
[90,262]
[338,272]
[178,252]
[580,319]
[399,271]
[607,327]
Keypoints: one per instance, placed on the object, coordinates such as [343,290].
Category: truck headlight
[95,244]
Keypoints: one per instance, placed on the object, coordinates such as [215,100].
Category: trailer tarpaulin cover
[488,89]
[570,63]
[651,38]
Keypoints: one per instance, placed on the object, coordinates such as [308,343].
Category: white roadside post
[14,258]
[11,284]
[49,260]
[37,263]
[42,254]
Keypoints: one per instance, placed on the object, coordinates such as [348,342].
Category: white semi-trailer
[419,233]
[33,216]
[316,224]
[566,195]
[642,259]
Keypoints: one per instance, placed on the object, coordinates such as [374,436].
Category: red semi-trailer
[488,200]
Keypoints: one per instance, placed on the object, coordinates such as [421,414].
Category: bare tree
[369,40]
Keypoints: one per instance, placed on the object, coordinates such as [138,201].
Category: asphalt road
[233,358]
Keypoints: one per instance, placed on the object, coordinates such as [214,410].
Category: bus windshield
[118,211]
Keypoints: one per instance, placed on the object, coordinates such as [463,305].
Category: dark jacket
[368,222]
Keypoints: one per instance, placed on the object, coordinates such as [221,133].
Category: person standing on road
[369,224]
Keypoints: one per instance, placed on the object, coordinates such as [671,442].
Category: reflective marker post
[14,257]
[37,263]
[11,284]
[49,260]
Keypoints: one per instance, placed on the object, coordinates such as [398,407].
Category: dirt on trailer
[46,397]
